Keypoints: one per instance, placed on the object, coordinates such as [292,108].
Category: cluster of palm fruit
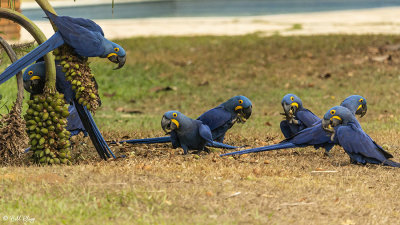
[78,72]
[46,119]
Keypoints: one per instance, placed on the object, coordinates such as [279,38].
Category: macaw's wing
[83,41]
[53,42]
[359,146]
[215,117]
[86,23]
[307,117]
[205,133]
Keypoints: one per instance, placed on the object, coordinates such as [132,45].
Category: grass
[158,185]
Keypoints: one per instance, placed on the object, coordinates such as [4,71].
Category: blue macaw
[80,119]
[220,119]
[355,142]
[186,133]
[84,36]
[313,136]
[297,117]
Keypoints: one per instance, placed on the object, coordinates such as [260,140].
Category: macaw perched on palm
[297,117]
[314,136]
[84,36]
[186,133]
[219,119]
[356,143]
[80,119]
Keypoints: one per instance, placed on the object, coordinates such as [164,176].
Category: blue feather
[52,43]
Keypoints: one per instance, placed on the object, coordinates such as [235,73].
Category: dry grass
[158,185]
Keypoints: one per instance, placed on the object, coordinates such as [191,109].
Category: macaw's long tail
[391,163]
[263,149]
[94,133]
[222,145]
[156,140]
[167,139]
[53,42]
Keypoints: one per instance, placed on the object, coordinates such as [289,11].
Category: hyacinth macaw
[83,35]
[219,119]
[297,117]
[80,118]
[355,142]
[313,136]
[185,132]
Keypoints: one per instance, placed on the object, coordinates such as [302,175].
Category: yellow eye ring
[292,98]
[174,114]
[332,112]
[240,101]
[116,49]
[361,100]
[30,73]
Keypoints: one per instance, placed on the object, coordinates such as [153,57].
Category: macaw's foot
[207,150]
[327,154]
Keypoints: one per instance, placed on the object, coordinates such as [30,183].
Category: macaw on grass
[185,132]
[355,142]
[219,119]
[313,136]
[80,119]
[84,36]
[297,117]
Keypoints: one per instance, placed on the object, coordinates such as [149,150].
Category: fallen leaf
[382,58]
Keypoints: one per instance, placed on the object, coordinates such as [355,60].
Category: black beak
[329,124]
[118,59]
[289,110]
[362,111]
[247,112]
[167,125]
[34,86]
[326,125]
[244,113]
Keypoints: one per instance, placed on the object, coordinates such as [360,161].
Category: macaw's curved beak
[329,124]
[243,113]
[290,109]
[362,110]
[34,86]
[326,125]
[169,125]
[117,59]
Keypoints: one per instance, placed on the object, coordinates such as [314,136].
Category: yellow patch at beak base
[175,122]
[111,54]
[336,117]
[35,78]
[238,107]
[295,104]
[359,107]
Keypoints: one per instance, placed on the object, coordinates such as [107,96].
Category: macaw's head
[240,105]
[34,78]
[172,120]
[356,104]
[336,116]
[116,54]
[291,103]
